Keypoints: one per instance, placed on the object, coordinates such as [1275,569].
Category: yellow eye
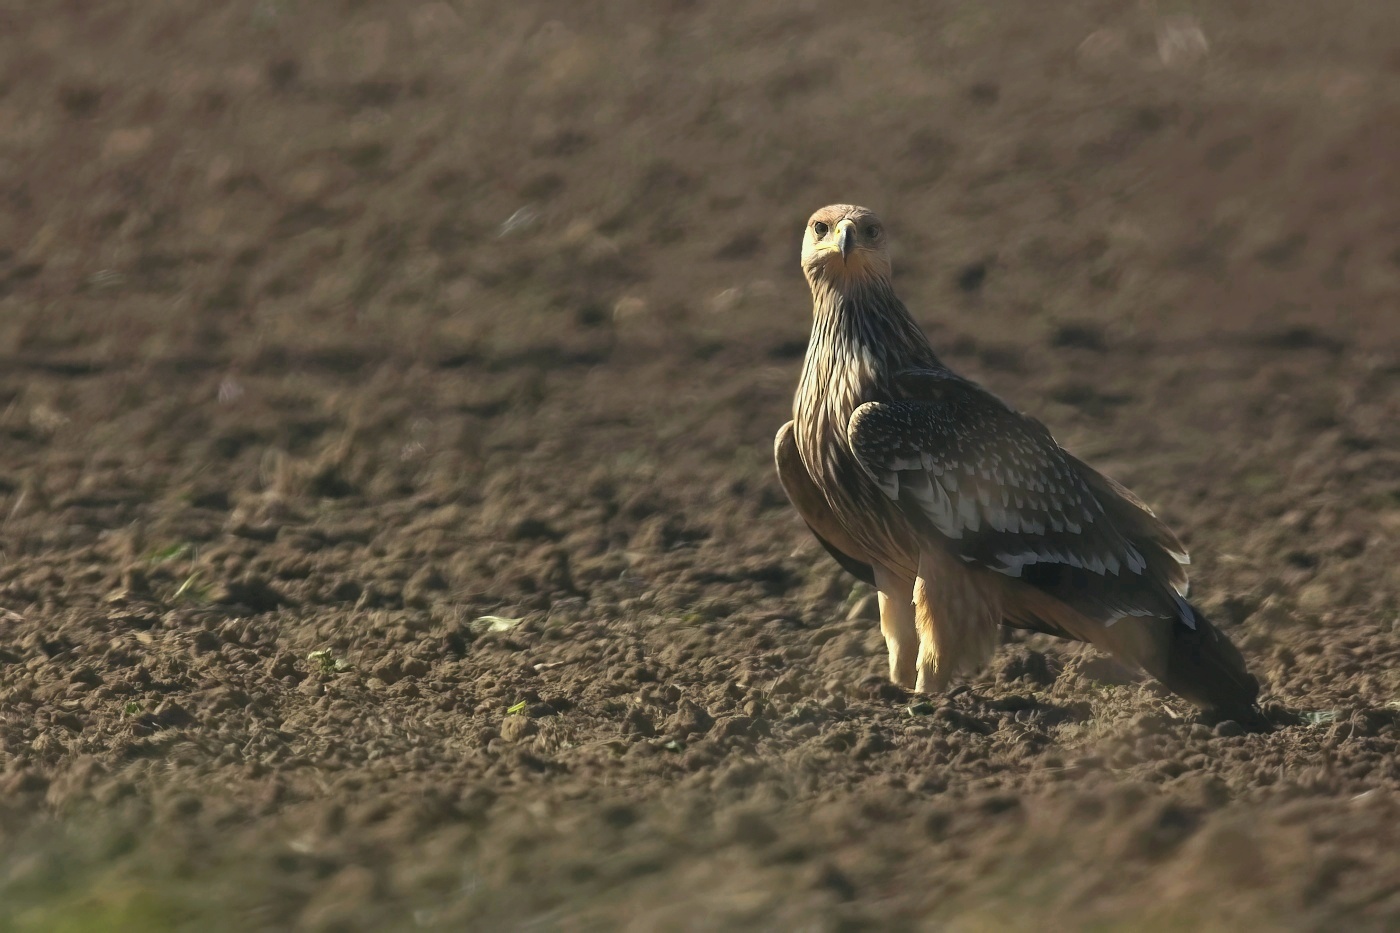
[820,229]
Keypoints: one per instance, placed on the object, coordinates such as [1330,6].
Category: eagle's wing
[811,505]
[993,485]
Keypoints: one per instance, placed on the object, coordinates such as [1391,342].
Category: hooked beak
[845,237]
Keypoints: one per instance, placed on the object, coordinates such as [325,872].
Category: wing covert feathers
[994,485]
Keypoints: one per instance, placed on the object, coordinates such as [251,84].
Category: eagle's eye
[820,229]
[872,231]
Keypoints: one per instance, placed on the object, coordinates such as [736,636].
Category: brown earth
[389,533]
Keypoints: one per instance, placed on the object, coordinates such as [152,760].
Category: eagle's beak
[845,237]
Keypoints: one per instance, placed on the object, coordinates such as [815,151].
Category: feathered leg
[897,625]
[956,615]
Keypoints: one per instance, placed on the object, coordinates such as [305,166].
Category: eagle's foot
[932,678]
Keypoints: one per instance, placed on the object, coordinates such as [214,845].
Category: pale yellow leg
[933,676]
[897,625]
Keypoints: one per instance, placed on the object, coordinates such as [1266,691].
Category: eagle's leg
[957,611]
[897,625]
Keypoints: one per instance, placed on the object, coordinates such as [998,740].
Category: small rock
[1228,729]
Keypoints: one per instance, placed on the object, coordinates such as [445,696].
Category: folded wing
[992,484]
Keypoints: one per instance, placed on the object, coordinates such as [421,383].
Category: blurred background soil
[388,533]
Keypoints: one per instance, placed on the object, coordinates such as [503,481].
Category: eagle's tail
[1203,666]
[1199,664]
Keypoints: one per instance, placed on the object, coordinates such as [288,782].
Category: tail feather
[1199,664]
[1205,667]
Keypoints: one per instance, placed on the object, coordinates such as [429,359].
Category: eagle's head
[844,246]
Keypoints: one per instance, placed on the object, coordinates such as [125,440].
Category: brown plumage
[964,513]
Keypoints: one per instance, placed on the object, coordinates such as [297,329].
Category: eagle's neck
[862,337]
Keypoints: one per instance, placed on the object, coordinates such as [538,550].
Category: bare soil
[390,538]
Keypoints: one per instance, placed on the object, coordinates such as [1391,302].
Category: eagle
[964,513]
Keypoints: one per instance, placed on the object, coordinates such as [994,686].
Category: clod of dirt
[534,529]
[689,720]
[171,713]
[972,276]
[516,727]
[952,718]
[205,641]
[787,685]
[253,593]
[388,669]
[1020,663]
[1104,670]
[872,744]
[638,723]
[827,877]
[423,587]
